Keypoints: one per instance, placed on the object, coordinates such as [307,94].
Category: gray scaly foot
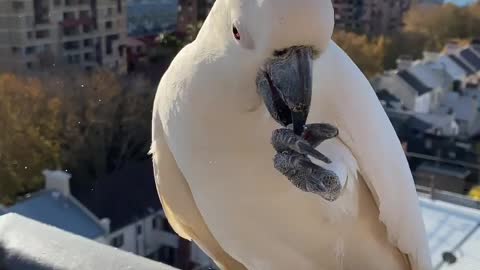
[292,159]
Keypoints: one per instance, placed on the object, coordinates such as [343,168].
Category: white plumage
[213,159]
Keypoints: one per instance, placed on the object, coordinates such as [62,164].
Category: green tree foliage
[105,120]
[29,135]
[427,27]
[89,124]
[179,40]
[367,53]
[440,23]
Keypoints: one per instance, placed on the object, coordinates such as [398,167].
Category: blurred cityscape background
[78,77]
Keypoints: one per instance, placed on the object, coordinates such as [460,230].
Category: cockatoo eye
[236,34]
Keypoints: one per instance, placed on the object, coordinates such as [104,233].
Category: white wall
[422,103]
[394,85]
[151,239]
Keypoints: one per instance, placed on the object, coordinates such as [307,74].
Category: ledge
[28,244]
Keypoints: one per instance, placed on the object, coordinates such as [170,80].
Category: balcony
[28,244]
[66,23]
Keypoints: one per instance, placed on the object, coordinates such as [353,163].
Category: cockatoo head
[283,36]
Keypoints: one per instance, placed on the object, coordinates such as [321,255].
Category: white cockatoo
[333,192]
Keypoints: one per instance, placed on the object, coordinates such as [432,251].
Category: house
[469,71]
[413,94]
[472,58]
[454,70]
[55,206]
[129,199]
[388,100]
[465,106]
[434,76]
[429,123]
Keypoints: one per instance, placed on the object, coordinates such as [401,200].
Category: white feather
[213,159]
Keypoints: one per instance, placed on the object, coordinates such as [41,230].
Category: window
[428,144]
[154,223]
[29,65]
[30,50]
[88,56]
[139,229]
[42,34]
[167,227]
[69,15]
[87,43]
[71,45]
[120,50]
[70,2]
[108,25]
[87,28]
[46,47]
[15,50]
[77,58]
[119,6]
[70,31]
[166,255]
[109,40]
[57,2]
[117,241]
[83,14]
[18,5]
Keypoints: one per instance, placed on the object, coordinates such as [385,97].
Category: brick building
[89,33]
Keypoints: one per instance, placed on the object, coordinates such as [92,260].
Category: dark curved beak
[285,83]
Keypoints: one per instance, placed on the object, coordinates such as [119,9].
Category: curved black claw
[292,159]
[315,134]
[285,139]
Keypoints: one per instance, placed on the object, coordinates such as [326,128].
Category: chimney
[451,47]
[404,62]
[457,86]
[58,180]
[105,222]
[430,56]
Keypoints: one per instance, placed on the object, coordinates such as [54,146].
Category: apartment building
[37,33]
[191,12]
[371,17]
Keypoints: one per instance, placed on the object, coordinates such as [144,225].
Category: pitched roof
[471,58]
[476,47]
[405,122]
[386,96]
[124,196]
[53,208]
[452,68]
[414,82]
[461,64]
[452,228]
[431,74]
[418,124]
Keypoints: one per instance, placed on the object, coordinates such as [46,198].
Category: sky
[460,2]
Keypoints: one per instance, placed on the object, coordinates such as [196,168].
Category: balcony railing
[28,244]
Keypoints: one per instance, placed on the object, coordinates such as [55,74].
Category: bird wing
[366,130]
[178,203]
